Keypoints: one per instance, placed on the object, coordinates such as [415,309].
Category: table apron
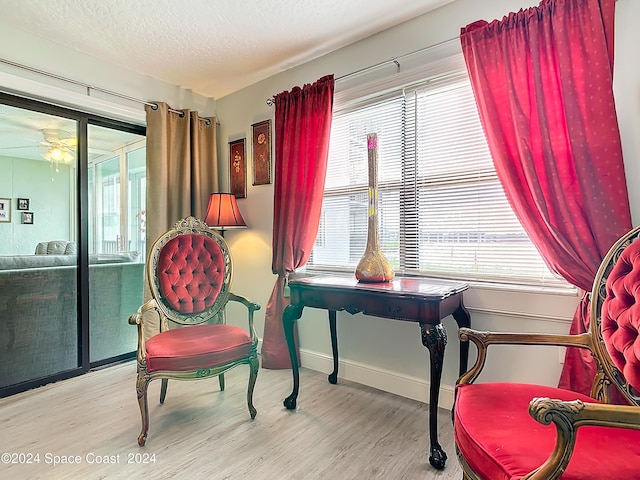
[409,309]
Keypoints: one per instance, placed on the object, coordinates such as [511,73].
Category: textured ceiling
[211,47]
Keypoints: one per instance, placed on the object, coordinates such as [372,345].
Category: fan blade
[19,146]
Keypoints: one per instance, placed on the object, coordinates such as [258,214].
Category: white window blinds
[442,209]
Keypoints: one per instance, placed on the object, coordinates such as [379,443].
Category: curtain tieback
[286,293]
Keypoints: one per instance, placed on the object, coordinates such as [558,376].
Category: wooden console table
[421,300]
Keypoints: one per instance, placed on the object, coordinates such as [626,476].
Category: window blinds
[442,209]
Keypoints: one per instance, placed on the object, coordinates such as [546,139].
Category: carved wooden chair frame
[157,314]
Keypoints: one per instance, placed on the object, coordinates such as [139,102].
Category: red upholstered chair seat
[197,347]
[500,440]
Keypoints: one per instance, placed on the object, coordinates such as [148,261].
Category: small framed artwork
[23,204]
[261,143]
[27,218]
[5,210]
[238,168]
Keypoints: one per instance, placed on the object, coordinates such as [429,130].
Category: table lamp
[223,212]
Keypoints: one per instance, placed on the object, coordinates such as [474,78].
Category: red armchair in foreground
[522,431]
[189,274]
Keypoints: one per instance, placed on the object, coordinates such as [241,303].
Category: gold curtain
[182,170]
[182,167]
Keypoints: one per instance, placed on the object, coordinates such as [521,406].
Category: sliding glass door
[71,245]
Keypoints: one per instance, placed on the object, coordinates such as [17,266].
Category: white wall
[32,179]
[382,353]
[627,89]
[389,354]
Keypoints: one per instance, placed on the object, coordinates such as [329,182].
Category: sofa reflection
[38,311]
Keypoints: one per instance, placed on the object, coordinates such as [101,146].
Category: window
[117,183]
[442,209]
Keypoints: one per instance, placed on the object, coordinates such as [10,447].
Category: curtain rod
[270,101]
[154,106]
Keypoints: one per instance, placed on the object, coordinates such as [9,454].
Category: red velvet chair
[189,274]
[522,431]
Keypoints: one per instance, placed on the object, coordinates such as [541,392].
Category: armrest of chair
[482,340]
[568,417]
[138,319]
[251,308]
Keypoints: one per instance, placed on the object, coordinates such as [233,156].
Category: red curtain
[542,79]
[302,128]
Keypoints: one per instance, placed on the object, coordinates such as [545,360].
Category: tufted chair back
[615,315]
[190,274]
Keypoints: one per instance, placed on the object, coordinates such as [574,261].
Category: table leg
[289,316]
[333,376]
[434,337]
[463,319]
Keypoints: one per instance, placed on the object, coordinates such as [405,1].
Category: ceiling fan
[60,146]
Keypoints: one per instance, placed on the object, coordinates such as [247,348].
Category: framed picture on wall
[27,218]
[238,168]
[261,143]
[23,204]
[5,210]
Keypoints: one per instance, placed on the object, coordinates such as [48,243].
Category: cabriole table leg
[289,317]
[434,337]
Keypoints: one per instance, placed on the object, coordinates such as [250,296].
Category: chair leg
[221,380]
[141,387]
[163,389]
[254,366]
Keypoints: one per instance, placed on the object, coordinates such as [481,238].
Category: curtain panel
[182,167]
[302,127]
[543,83]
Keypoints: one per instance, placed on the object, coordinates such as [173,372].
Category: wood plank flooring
[339,432]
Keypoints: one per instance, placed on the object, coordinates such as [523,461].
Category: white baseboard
[386,380]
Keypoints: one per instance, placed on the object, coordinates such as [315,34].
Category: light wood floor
[339,432]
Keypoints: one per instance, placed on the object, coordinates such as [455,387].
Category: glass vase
[373,267]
